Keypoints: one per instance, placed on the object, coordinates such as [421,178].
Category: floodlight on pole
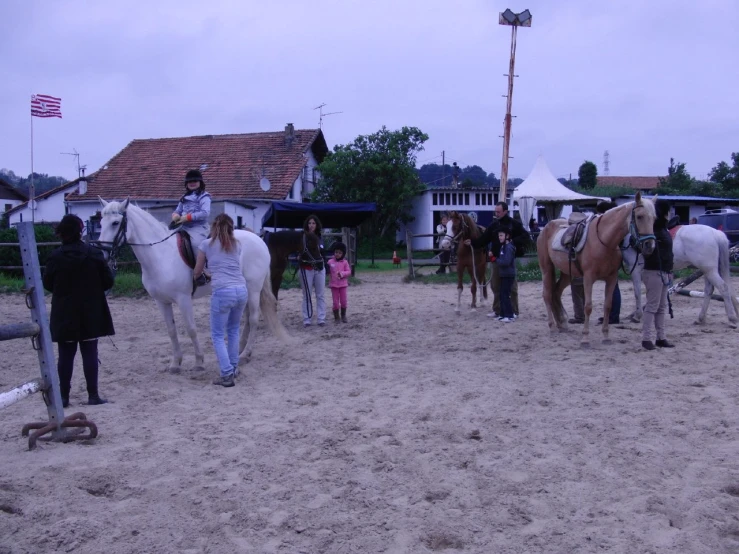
[514,20]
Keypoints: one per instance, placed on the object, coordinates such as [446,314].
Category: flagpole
[32,190]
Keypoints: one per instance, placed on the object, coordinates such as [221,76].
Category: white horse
[168,279]
[698,246]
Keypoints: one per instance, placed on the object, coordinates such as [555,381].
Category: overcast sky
[645,80]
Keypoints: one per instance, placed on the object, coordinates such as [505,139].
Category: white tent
[540,187]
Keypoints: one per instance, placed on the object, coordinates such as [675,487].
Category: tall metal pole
[507,122]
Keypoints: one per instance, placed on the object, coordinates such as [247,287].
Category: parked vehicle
[725,220]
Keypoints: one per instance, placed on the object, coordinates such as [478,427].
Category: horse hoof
[199,368]
[606,341]
[585,345]
[174,369]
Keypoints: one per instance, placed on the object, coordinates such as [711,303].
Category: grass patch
[9,283]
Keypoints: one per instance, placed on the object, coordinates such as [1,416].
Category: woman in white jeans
[223,253]
[313,277]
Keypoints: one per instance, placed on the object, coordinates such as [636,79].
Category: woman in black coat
[77,275]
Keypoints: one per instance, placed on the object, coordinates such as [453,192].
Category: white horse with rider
[169,280]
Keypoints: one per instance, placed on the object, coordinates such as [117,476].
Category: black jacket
[519,236]
[661,258]
[78,276]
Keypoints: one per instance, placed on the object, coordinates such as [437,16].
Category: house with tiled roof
[644,184]
[244,173]
[47,207]
[10,197]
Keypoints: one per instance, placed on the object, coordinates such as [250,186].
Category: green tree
[727,175]
[587,175]
[678,180]
[377,168]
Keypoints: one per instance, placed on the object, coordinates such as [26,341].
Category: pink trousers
[339,297]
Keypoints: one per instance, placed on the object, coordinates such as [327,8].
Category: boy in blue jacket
[506,261]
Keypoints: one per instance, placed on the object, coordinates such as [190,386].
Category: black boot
[662,343]
[343,315]
[96,401]
[336,316]
[648,344]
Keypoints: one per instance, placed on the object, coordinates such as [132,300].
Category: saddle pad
[185,249]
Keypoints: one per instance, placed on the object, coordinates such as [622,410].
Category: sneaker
[321,323]
[493,314]
[225,381]
[500,318]
[506,319]
[515,316]
[306,325]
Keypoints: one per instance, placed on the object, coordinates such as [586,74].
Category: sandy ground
[409,429]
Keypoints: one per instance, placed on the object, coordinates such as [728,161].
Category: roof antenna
[321,115]
[80,168]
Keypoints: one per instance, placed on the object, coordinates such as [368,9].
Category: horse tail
[724,268]
[268,306]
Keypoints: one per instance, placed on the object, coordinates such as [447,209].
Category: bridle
[307,257]
[120,240]
[636,239]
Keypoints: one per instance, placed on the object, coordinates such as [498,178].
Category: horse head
[641,224]
[454,227]
[113,226]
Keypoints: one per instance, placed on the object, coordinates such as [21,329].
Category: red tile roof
[231,166]
[638,183]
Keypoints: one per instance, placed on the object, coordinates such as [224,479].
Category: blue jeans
[226,306]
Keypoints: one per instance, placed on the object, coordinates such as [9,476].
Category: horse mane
[474,230]
[134,212]
[292,241]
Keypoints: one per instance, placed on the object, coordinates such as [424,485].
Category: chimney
[289,134]
[82,187]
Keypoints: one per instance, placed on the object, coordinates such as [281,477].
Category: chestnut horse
[459,228]
[283,243]
[598,260]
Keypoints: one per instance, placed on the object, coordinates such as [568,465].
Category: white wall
[11,201]
[49,209]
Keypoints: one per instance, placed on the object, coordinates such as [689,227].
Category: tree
[587,175]
[377,168]
[727,175]
[678,180]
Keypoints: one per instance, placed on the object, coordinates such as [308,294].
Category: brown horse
[283,243]
[460,228]
[599,259]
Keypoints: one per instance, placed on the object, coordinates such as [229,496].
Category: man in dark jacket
[520,238]
[656,276]
[77,275]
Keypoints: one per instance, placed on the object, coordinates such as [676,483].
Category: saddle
[572,238]
[184,246]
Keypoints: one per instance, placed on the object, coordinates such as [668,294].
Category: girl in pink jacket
[339,279]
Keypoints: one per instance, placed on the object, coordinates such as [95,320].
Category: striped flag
[43,105]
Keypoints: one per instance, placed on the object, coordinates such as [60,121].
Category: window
[484,198]
[448,199]
[454,198]
[466,198]
[239,222]
[490,199]
[435,200]
[8,207]
[477,199]
[441,199]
